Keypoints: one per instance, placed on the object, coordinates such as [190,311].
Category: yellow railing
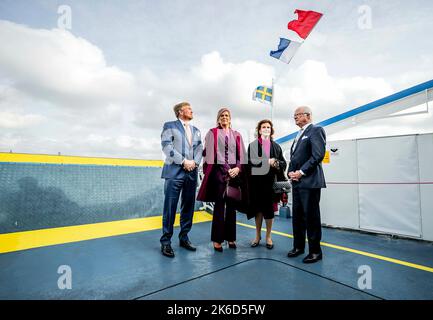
[59,159]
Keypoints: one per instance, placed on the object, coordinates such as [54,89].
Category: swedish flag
[263,94]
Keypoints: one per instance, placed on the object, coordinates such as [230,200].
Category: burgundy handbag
[233,193]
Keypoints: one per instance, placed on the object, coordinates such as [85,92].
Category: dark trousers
[173,189]
[306,219]
[224,219]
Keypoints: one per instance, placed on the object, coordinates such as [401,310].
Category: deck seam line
[355,251]
[252,259]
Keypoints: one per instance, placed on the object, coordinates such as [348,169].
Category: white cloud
[212,67]
[97,139]
[9,141]
[15,120]
[126,141]
[100,110]
[120,145]
[311,84]
[361,90]
[58,66]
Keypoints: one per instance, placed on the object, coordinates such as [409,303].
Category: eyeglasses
[300,114]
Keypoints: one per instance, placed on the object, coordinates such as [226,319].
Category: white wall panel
[383,185]
[425,147]
[339,203]
[389,199]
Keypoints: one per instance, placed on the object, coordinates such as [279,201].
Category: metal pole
[272,101]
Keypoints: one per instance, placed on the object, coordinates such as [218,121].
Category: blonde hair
[220,112]
[178,107]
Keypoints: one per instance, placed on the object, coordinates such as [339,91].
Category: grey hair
[306,109]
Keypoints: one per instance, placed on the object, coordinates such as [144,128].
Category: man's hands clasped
[295,175]
[189,165]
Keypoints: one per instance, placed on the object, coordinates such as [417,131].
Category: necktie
[188,133]
[297,138]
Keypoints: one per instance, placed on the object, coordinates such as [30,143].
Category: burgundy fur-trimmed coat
[211,154]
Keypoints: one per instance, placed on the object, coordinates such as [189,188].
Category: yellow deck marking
[16,241]
[362,253]
[41,158]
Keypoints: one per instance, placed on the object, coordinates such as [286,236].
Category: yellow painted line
[53,159]
[16,241]
[362,253]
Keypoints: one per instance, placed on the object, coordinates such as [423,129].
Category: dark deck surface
[132,267]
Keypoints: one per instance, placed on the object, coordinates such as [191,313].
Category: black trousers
[224,218]
[306,219]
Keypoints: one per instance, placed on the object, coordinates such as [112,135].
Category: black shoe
[219,249]
[255,244]
[312,257]
[270,246]
[232,245]
[187,245]
[295,252]
[167,250]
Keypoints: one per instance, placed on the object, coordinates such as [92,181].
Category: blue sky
[106,86]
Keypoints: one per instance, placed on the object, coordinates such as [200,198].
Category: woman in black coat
[267,164]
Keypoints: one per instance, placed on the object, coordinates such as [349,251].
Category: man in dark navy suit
[182,146]
[306,174]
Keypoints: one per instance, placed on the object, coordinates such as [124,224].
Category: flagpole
[272,101]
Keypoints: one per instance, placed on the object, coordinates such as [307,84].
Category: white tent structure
[379,184]
[390,106]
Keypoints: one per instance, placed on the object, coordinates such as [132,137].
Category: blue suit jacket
[176,148]
[308,156]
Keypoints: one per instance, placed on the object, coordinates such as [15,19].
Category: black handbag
[281,184]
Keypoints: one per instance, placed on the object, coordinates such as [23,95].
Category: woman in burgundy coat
[224,160]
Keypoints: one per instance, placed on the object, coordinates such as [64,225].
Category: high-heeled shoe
[255,244]
[232,245]
[269,245]
[219,249]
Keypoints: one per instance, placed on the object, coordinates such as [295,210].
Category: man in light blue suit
[182,146]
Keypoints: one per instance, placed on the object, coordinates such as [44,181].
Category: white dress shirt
[298,136]
[188,130]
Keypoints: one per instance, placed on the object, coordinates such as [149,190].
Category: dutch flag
[286,50]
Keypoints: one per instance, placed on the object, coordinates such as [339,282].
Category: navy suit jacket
[307,156]
[176,148]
